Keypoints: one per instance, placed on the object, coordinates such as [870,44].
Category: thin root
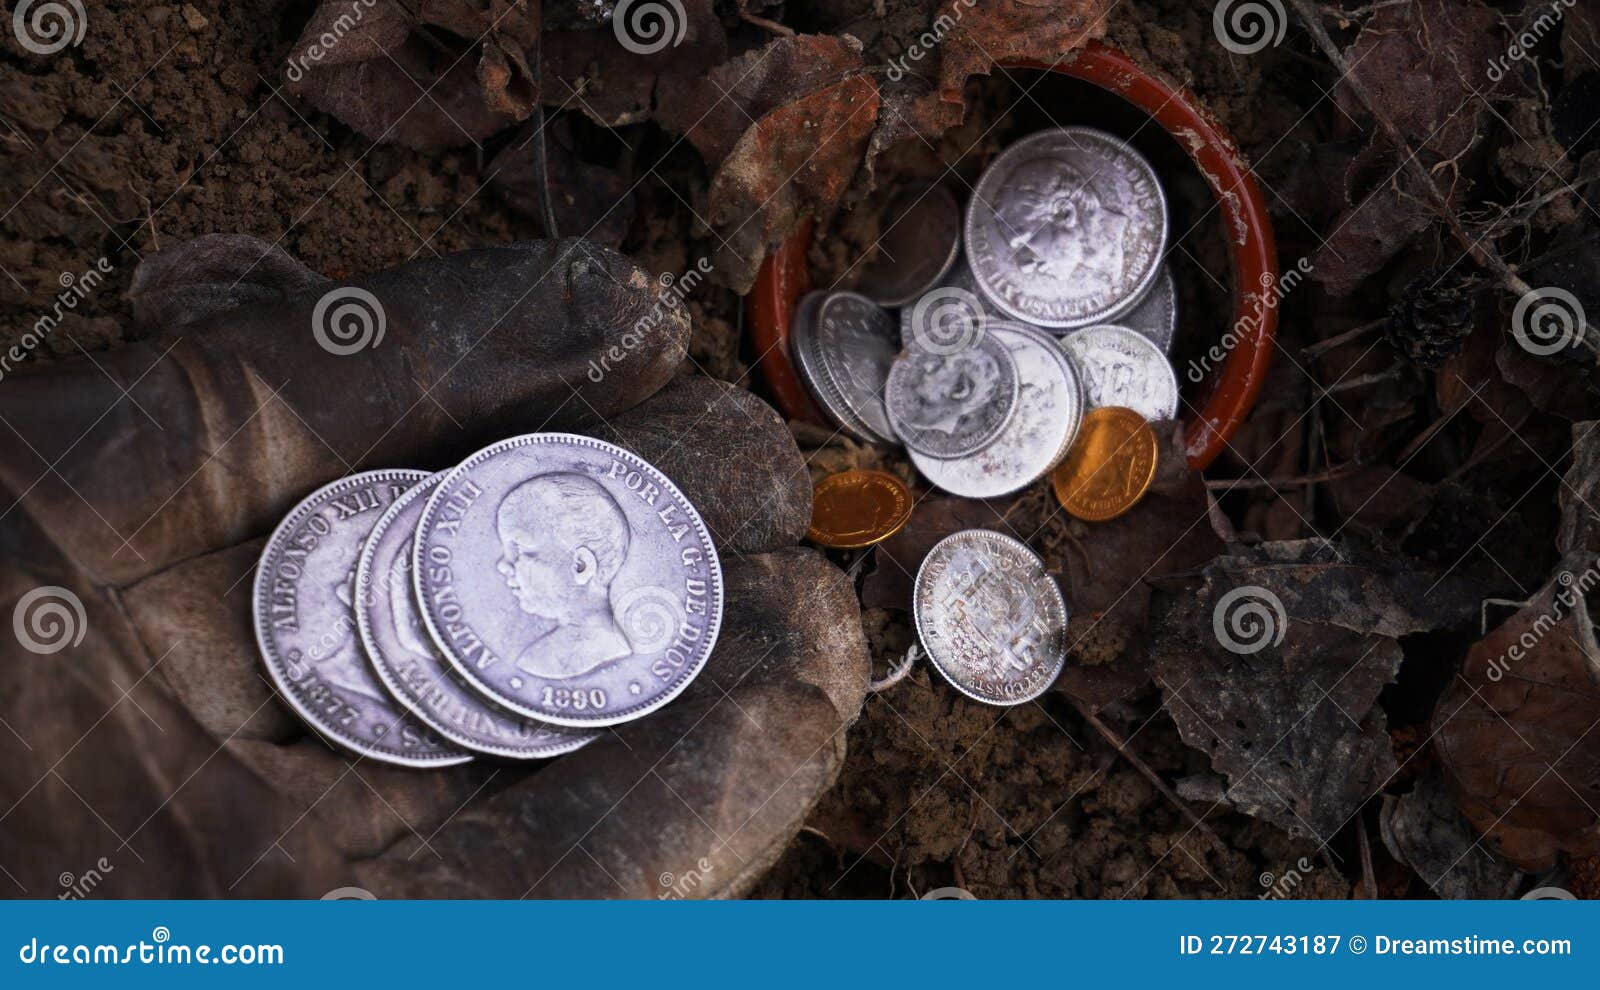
[897,672]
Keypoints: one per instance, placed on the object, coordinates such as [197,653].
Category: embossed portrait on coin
[1056,225]
[563,540]
[947,387]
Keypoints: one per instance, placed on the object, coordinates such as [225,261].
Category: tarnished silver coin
[1050,407]
[567,579]
[989,617]
[1066,228]
[1156,315]
[952,403]
[846,343]
[305,597]
[1123,368]
[408,662]
[918,240]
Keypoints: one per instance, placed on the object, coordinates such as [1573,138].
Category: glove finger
[730,453]
[164,449]
[698,799]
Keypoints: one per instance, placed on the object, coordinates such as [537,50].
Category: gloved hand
[144,747]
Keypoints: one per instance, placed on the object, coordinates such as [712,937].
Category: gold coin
[1109,466]
[857,509]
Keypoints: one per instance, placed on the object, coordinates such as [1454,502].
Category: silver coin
[1156,315]
[567,580]
[918,241]
[951,404]
[1123,368]
[408,663]
[1066,228]
[1050,408]
[846,349]
[992,622]
[305,593]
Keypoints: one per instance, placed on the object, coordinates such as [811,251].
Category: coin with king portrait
[567,579]
[306,591]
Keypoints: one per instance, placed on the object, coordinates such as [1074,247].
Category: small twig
[1149,774]
[762,22]
[1369,879]
[1332,474]
[1323,346]
[897,672]
[547,206]
[1361,381]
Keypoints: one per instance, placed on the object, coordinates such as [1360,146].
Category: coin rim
[269,651]
[1144,489]
[833,391]
[391,683]
[1168,281]
[1040,338]
[947,197]
[1055,587]
[988,436]
[802,339]
[714,559]
[1164,363]
[980,198]
[900,523]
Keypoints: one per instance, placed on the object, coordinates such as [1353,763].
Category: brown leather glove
[141,739]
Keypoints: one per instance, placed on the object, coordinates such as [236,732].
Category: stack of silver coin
[548,586]
[1049,298]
